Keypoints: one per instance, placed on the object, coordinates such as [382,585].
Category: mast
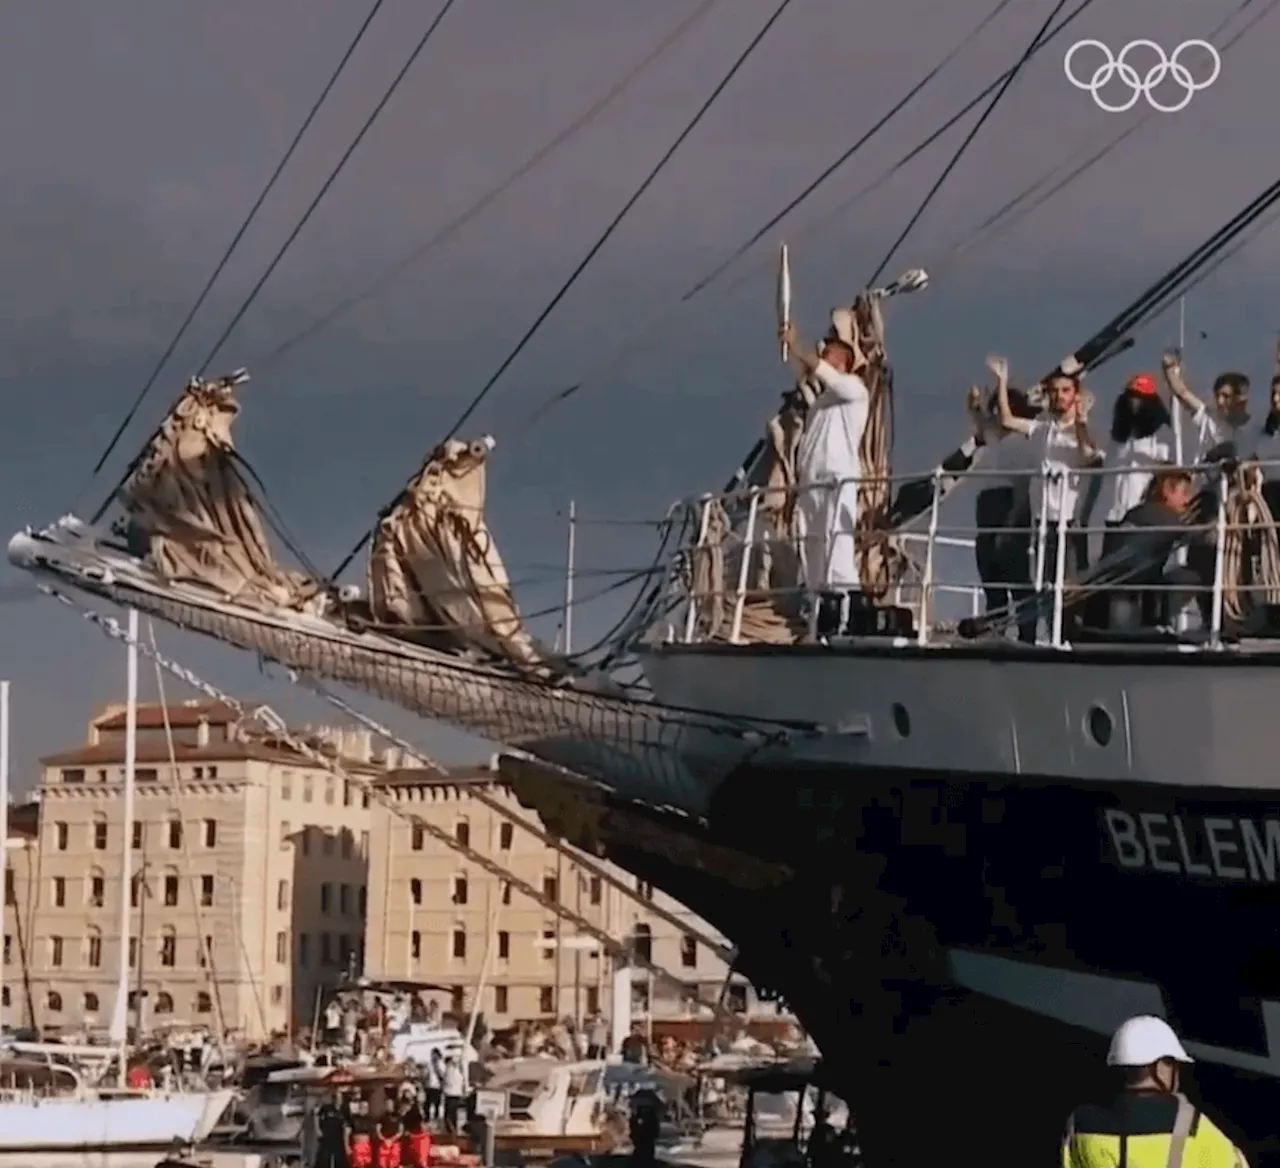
[120,1017]
[4,824]
[568,578]
[1177,405]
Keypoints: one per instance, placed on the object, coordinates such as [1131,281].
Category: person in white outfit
[1223,428]
[828,465]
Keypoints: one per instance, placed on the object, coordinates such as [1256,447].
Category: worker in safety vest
[1150,1124]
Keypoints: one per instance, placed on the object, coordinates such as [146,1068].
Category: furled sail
[435,574]
[188,501]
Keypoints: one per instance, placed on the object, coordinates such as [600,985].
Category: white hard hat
[1145,1040]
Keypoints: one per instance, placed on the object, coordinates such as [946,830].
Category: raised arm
[1171,365]
[804,357]
[1009,421]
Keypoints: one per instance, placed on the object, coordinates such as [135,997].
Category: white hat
[1145,1040]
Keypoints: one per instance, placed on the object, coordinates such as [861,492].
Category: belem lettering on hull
[1222,847]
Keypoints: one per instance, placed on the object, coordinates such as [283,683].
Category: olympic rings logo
[1142,85]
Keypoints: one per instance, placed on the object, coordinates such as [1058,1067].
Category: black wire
[306,215]
[564,288]
[848,154]
[390,275]
[324,190]
[973,133]
[235,242]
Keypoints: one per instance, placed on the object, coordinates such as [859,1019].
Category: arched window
[90,1003]
[164,1003]
[55,1002]
[168,947]
[204,1003]
[93,949]
[99,832]
[462,833]
[642,942]
[96,891]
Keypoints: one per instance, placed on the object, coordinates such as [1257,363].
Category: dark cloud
[133,149]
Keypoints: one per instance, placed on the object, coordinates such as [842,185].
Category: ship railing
[743,578]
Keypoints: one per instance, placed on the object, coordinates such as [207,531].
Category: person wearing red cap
[1141,439]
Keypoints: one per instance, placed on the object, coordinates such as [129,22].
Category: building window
[546,999]
[59,892]
[212,772]
[282,948]
[206,891]
[325,891]
[504,946]
[344,950]
[308,788]
[462,833]
[304,949]
[597,889]
[204,953]
[136,887]
[286,785]
[344,899]
[54,1002]
[326,950]
[91,1004]
[60,834]
[282,895]
[164,1003]
[506,892]
[645,889]
[346,793]
[175,834]
[417,837]
[8,948]
[499,999]
[99,834]
[459,943]
[285,831]
[415,890]
[197,772]
[364,845]
[277,995]
[137,836]
[305,834]
[74,775]
[204,1003]
[133,952]
[459,890]
[505,834]
[55,951]
[415,945]
[97,889]
[688,952]
[330,790]
[548,946]
[328,842]
[169,949]
[346,844]
[362,901]
[736,998]
[145,775]
[210,833]
[4,997]
[170,891]
[593,1000]
[364,799]
[550,889]
[642,943]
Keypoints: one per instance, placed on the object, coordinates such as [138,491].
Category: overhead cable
[968,140]
[419,253]
[302,222]
[849,153]
[239,235]
[573,276]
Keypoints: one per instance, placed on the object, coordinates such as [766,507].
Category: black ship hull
[960,945]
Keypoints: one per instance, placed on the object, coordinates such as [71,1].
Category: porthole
[901,719]
[1098,725]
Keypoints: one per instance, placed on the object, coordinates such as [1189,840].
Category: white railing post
[1059,573]
[744,568]
[691,616]
[1219,555]
[926,583]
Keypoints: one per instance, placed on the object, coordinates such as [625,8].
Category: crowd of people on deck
[1033,451]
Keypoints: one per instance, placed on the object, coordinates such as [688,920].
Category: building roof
[430,777]
[151,715]
[150,752]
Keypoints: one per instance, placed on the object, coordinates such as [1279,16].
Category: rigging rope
[131,413]
[390,275]
[848,154]
[573,276]
[964,146]
[302,222]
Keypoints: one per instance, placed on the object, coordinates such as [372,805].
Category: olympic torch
[784,298]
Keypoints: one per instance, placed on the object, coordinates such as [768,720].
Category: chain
[276,725]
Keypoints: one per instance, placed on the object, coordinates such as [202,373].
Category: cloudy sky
[137,135]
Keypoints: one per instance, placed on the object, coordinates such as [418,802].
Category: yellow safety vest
[1147,1129]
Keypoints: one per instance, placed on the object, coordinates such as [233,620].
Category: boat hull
[119,1123]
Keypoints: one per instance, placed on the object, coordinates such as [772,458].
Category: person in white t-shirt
[1062,448]
[1267,447]
[828,463]
[1141,440]
[1223,429]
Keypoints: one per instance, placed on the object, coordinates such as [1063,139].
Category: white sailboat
[47,1105]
